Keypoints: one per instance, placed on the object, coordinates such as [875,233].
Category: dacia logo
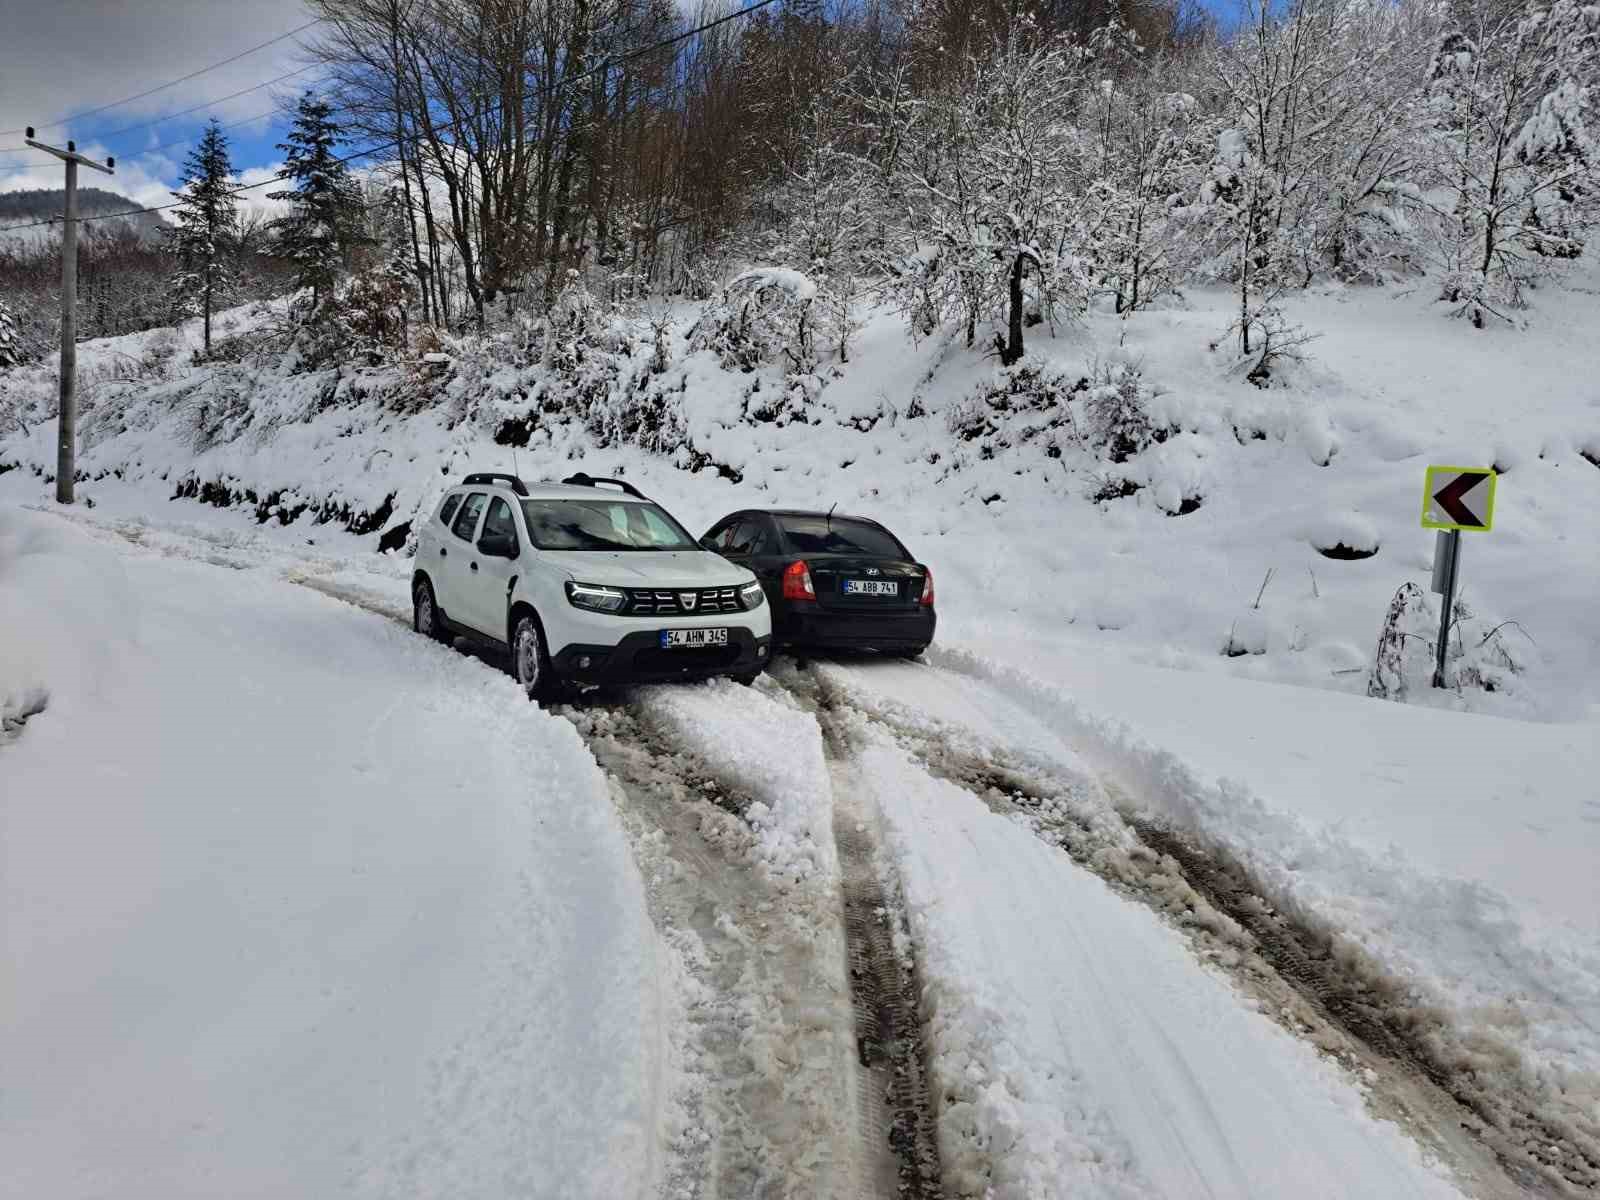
[688,600]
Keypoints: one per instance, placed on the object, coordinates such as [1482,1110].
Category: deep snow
[296,903]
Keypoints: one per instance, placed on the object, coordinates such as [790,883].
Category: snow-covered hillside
[1206,547]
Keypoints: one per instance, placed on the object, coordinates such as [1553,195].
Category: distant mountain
[46,204]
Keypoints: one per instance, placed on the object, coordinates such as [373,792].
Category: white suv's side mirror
[497,545]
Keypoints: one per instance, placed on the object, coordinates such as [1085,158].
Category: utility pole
[67,421]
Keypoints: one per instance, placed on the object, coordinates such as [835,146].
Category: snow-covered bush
[1027,403]
[765,315]
[1117,421]
[11,350]
[1481,657]
[373,307]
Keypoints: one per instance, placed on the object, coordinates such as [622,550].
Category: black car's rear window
[841,535]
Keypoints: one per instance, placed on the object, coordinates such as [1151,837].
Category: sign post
[1453,499]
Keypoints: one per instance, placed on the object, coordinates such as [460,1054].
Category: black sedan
[836,582]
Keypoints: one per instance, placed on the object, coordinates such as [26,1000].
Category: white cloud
[72,57]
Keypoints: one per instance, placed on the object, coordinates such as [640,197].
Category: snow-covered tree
[825,202]
[207,223]
[1150,142]
[324,223]
[992,181]
[1511,101]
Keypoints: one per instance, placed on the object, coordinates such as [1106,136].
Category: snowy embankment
[297,904]
[1160,555]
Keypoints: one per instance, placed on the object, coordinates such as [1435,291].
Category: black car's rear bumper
[812,625]
[639,658]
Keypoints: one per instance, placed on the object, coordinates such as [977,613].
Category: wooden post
[67,419]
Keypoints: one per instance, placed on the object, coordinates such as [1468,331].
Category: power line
[395,143]
[172,82]
[208,104]
[106,137]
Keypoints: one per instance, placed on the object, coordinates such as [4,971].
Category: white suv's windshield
[603,525]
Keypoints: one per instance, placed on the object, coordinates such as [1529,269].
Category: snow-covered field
[369,923]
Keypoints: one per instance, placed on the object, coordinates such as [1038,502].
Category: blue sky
[69,56]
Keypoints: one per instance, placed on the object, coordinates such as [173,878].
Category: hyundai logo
[688,600]
[873,571]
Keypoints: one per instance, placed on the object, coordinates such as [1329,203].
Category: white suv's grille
[683,602]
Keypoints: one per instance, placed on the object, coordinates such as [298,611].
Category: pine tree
[325,219]
[207,223]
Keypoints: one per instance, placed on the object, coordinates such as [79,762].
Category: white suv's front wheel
[528,659]
[425,612]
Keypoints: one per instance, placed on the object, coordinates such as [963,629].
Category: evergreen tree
[207,223]
[325,219]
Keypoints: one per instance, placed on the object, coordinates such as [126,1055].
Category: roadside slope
[293,904]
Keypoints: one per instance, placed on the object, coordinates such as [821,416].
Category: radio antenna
[831,507]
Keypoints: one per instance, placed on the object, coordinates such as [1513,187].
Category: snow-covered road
[295,905]
[365,922]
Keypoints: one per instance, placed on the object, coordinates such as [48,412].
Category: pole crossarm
[70,154]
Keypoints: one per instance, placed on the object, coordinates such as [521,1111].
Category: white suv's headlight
[751,595]
[595,597]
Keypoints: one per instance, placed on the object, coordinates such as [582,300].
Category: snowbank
[296,903]
[67,616]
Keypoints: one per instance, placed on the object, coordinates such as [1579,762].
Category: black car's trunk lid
[857,583]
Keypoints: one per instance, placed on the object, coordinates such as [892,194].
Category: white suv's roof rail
[582,480]
[493,477]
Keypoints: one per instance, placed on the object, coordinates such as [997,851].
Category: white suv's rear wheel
[528,660]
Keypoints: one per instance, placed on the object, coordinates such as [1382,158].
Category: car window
[467,519]
[603,525]
[448,509]
[747,537]
[722,536]
[840,535]
[500,522]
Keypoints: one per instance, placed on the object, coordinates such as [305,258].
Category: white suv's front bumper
[591,647]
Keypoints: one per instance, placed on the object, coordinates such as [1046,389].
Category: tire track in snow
[768,1121]
[1316,986]
[897,1108]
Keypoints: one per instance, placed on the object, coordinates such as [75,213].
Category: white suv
[584,585]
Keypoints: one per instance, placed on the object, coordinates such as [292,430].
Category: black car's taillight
[927,589]
[797,582]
